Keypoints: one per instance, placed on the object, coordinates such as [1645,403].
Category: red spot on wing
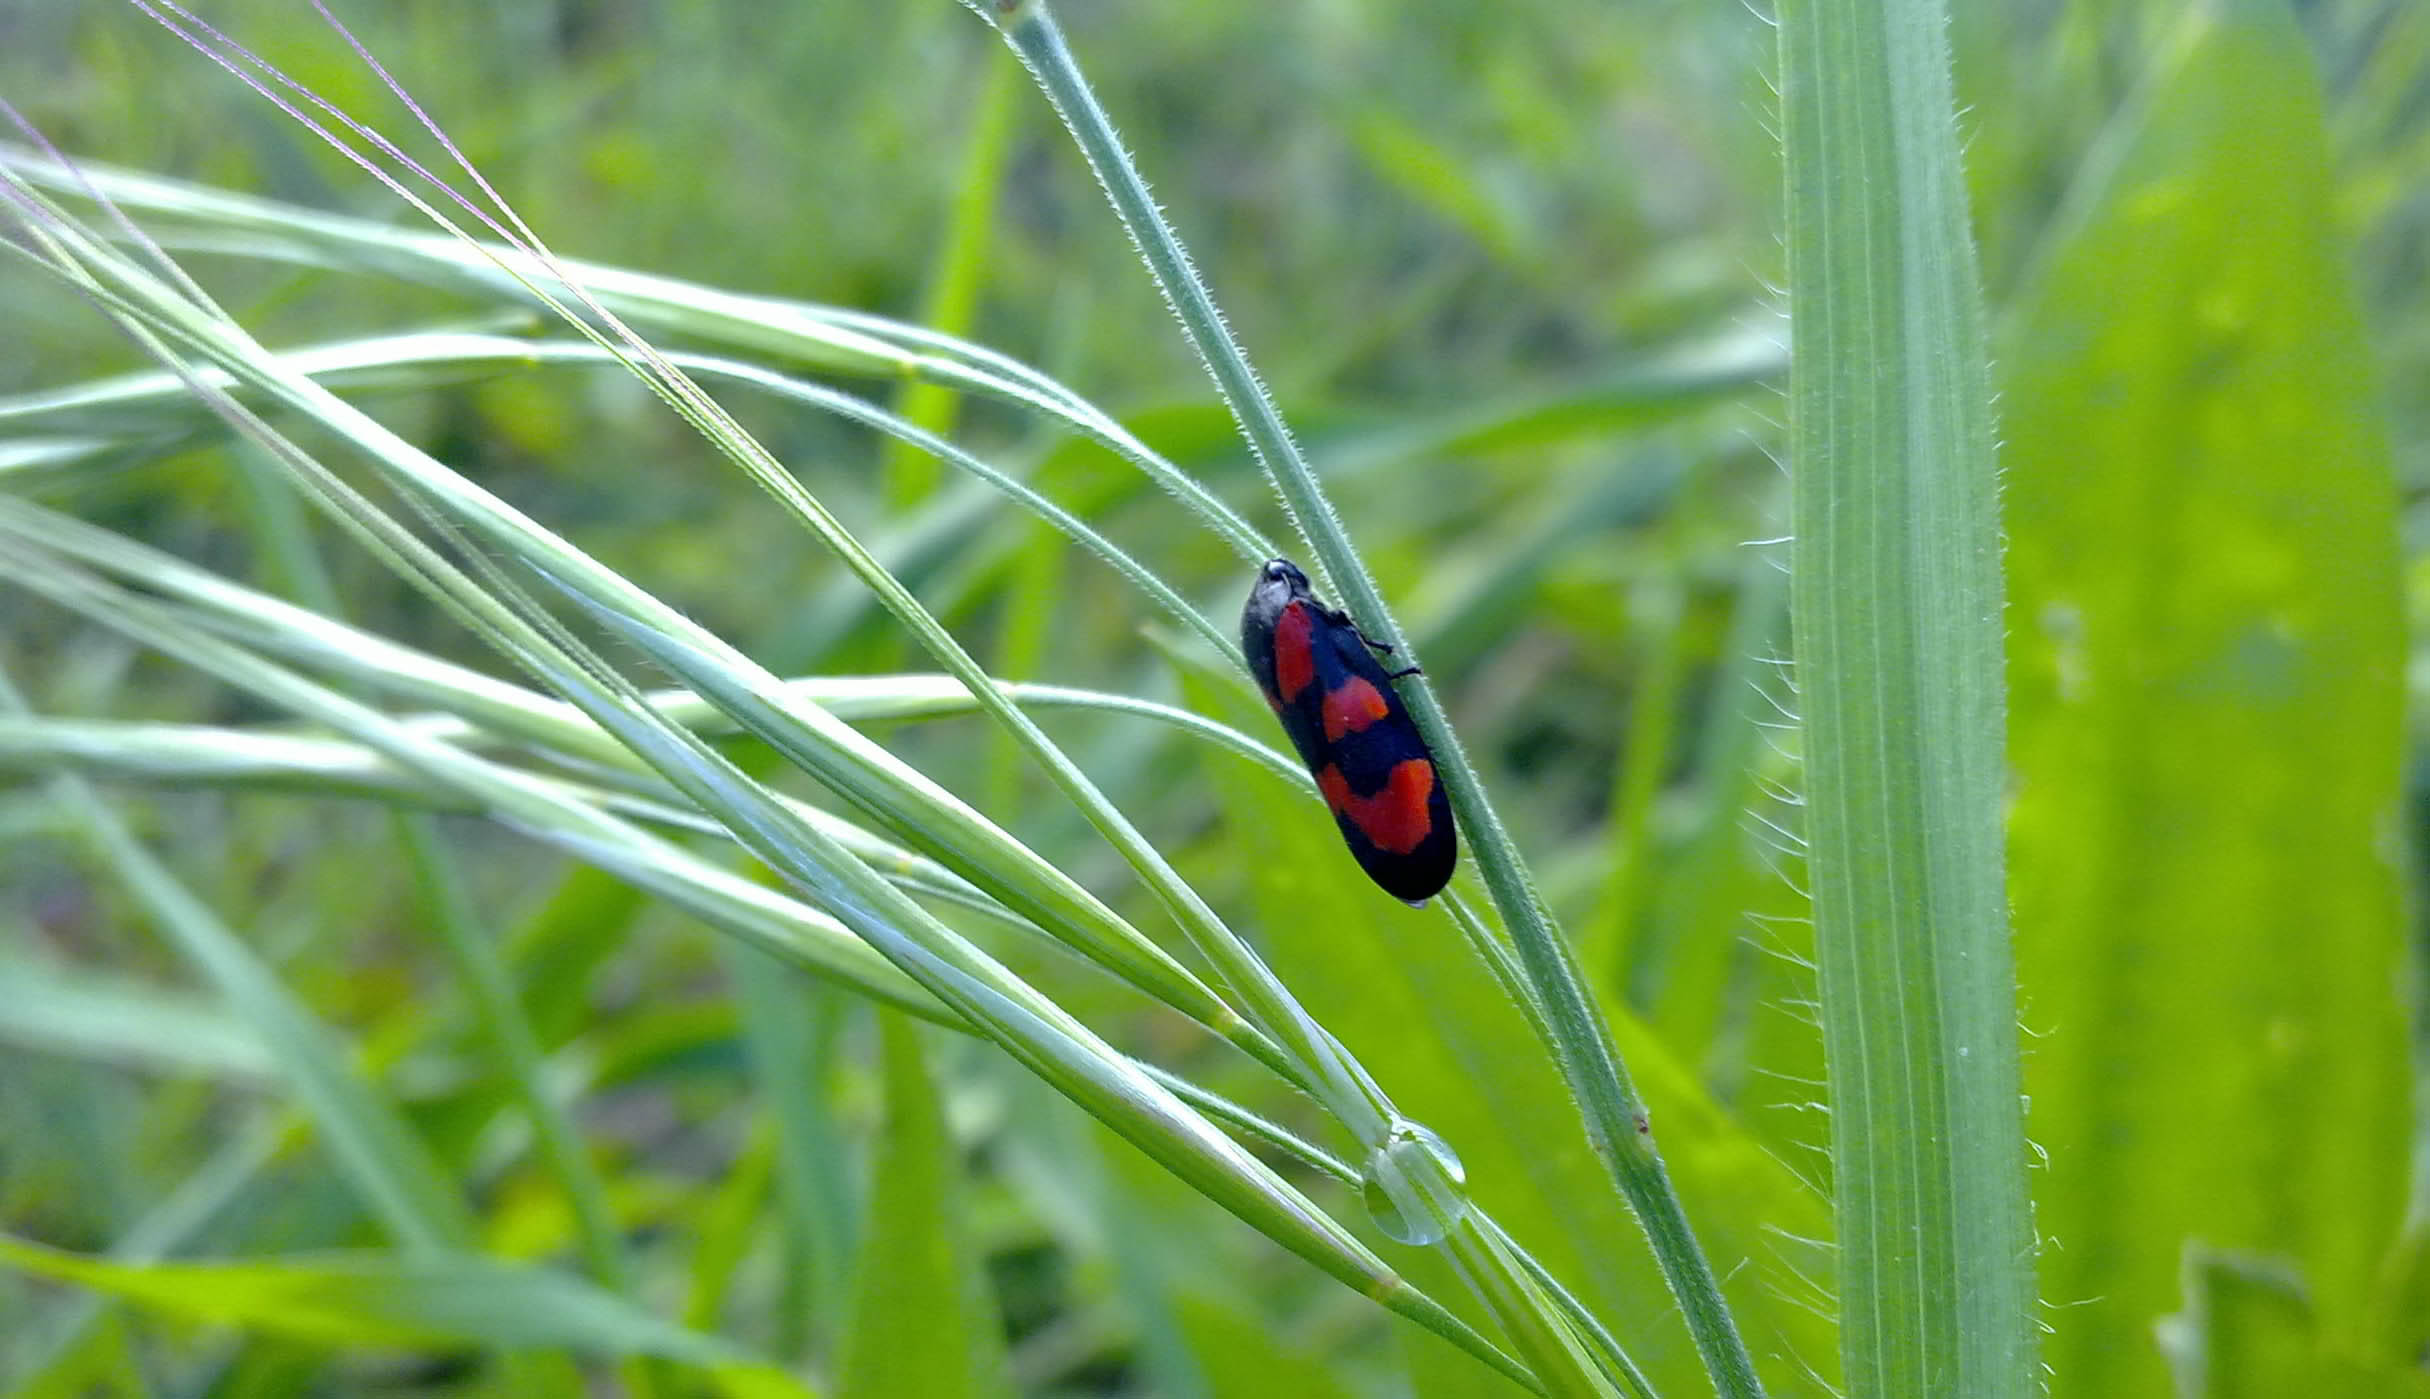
[1353,705]
[1394,820]
[1294,652]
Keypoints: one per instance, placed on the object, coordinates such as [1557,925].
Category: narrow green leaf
[2207,645]
[847,341]
[442,1299]
[1895,615]
[789,1033]
[959,268]
[784,926]
[117,1020]
[401,1182]
[924,1325]
[727,1222]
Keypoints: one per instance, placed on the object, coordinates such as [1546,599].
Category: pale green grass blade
[439,355]
[206,755]
[473,701]
[210,756]
[840,340]
[1895,614]
[783,926]
[923,1321]
[153,399]
[405,1300]
[349,654]
[401,1182]
[115,1020]
[2209,715]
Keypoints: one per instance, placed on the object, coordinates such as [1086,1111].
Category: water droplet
[1415,1187]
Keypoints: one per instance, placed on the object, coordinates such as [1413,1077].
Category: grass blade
[399,1179]
[447,1299]
[923,1320]
[1895,614]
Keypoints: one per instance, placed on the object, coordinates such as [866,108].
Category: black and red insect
[1336,700]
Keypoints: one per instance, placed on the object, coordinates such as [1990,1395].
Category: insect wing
[1374,770]
[1351,729]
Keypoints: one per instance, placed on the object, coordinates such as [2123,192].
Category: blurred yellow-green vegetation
[299,1096]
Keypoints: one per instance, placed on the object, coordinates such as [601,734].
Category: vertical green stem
[1895,613]
[955,277]
[1581,1042]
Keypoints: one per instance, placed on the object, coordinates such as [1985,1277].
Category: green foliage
[2209,715]
[561,1075]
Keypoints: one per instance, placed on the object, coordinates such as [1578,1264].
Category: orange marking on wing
[1394,820]
[1353,705]
[1294,657]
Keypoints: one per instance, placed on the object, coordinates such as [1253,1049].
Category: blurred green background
[1511,272]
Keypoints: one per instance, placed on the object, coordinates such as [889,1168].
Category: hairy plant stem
[1581,1043]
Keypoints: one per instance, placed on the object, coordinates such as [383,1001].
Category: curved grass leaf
[115,1020]
[399,1179]
[538,808]
[445,1299]
[844,341]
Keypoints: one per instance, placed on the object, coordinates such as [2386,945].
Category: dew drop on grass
[1414,1186]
